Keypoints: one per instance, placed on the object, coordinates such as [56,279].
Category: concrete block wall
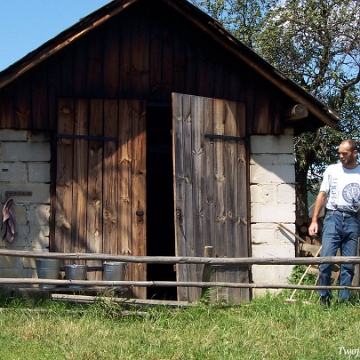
[272,194]
[25,166]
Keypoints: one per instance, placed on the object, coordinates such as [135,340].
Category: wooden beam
[186,260]
[28,281]
[88,299]
[297,112]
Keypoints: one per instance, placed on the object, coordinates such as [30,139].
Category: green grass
[266,328]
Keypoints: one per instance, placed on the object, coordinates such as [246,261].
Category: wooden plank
[155,52]
[67,72]
[6,113]
[125,59]
[242,186]
[64,177]
[138,193]
[22,104]
[53,89]
[123,301]
[262,122]
[139,73]
[220,246]
[205,73]
[191,69]
[232,180]
[248,97]
[111,64]
[95,65]
[124,169]
[179,186]
[80,180]
[132,169]
[210,180]
[110,192]
[242,261]
[179,64]
[221,78]
[167,63]
[95,183]
[235,84]
[80,68]
[188,214]
[198,112]
[39,100]
[243,210]
[309,247]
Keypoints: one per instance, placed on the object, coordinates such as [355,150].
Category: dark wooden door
[210,184]
[101,181]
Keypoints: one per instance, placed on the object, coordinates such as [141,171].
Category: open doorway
[160,199]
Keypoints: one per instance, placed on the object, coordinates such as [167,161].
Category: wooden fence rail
[176,260]
[185,260]
[123,284]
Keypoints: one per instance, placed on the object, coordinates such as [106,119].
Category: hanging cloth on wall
[8,221]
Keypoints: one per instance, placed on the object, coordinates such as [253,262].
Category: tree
[318,47]
[317,44]
[243,18]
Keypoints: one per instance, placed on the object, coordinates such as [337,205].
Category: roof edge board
[51,50]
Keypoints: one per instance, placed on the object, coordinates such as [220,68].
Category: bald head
[348,154]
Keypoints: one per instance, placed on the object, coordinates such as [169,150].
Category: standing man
[340,191]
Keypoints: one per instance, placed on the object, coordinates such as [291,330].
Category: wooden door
[101,181]
[210,166]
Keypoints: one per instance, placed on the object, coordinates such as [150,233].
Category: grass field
[266,328]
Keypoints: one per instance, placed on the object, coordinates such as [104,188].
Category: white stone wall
[25,166]
[272,194]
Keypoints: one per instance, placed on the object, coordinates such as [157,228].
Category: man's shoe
[325,301]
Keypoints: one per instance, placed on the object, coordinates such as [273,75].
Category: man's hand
[314,228]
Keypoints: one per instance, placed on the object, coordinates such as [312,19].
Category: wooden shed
[149,108]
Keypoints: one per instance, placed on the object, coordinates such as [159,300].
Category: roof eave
[65,38]
[255,61]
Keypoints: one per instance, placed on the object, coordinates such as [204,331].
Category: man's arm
[319,203]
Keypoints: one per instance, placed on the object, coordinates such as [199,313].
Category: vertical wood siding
[210,188]
[144,56]
[101,181]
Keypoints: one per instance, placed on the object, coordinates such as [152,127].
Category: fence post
[208,252]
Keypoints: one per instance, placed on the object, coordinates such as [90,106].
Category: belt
[351,213]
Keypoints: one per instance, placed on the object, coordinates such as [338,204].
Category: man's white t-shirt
[342,187]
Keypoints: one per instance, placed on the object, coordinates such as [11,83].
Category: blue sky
[27,24]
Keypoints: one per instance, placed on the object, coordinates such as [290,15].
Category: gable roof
[205,23]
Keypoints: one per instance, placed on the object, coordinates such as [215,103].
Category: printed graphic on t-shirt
[351,193]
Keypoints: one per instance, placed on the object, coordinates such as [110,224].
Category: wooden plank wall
[145,54]
[101,181]
[210,188]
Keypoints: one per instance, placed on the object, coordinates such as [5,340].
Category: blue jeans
[340,231]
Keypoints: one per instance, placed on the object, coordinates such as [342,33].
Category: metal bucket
[48,269]
[75,272]
[114,271]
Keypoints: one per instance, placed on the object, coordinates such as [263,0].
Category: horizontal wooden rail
[124,284]
[185,260]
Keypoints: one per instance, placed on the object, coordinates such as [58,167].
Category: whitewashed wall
[272,193]
[25,166]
